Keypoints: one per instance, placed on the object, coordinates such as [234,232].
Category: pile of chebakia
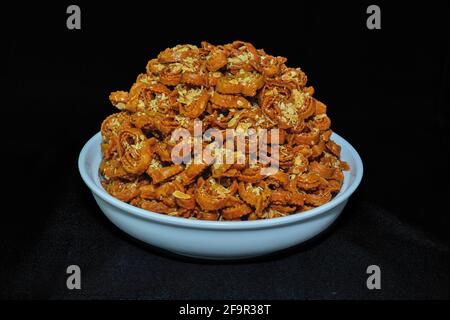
[232,86]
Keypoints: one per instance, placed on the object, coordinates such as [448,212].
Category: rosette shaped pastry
[136,151]
[212,196]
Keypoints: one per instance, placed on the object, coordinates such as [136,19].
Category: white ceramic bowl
[218,239]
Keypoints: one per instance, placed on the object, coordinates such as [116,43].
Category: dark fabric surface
[387,93]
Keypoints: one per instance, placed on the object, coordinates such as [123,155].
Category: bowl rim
[221,225]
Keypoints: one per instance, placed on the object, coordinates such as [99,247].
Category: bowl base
[214,258]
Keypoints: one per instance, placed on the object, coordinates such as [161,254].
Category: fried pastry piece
[178,53]
[156,206]
[270,66]
[211,196]
[113,124]
[324,170]
[122,190]
[160,174]
[136,151]
[245,83]
[256,196]
[318,198]
[243,56]
[191,172]
[229,101]
[194,105]
[217,59]
[233,213]
[284,197]
[308,181]
[113,169]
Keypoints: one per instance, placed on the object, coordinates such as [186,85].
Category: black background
[387,93]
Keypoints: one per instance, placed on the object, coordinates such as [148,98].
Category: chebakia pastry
[232,86]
